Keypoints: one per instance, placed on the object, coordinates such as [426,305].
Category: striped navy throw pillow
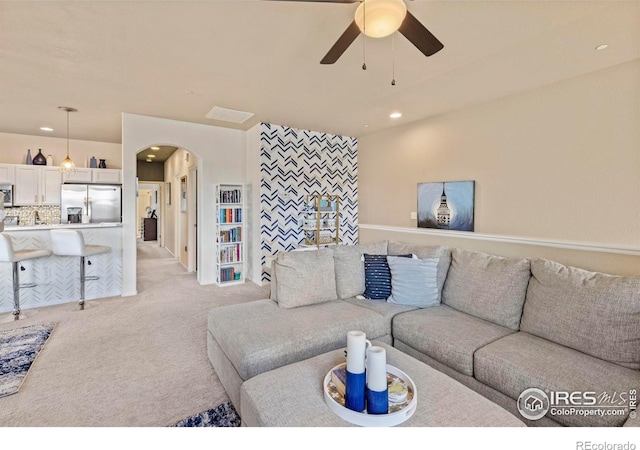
[377,276]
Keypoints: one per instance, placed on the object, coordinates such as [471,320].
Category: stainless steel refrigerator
[100,202]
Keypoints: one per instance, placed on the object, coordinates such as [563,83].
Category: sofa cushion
[414,282]
[521,361]
[446,335]
[349,266]
[387,310]
[305,278]
[487,286]
[423,252]
[591,312]
[259,336]
[377,276]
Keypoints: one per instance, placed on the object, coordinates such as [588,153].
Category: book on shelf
[230,215]
[231,196]
[229,274]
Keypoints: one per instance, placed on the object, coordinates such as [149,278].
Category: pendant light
[67,165]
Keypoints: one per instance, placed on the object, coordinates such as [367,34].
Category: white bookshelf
[230,233]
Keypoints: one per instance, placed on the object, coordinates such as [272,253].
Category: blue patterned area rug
[223,415]
[18,349]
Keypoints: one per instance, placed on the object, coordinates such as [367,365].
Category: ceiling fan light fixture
[380,18]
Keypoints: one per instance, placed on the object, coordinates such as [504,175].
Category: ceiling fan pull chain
[364,38]
[393,60]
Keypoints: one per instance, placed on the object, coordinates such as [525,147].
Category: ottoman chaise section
[292,396]
[259,336]
[449,336]
[521,361]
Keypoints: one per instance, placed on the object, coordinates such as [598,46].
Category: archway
[220,156]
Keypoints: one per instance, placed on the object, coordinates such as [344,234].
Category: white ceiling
[179,59]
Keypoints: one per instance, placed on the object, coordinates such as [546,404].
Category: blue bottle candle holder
[354,396]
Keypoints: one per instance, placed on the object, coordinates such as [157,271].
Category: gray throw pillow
[594,313]
[414,282]
[350,268]
[426,251]
[486,286]
[305,278]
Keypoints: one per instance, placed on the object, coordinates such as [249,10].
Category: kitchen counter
[58,277]
[79,226]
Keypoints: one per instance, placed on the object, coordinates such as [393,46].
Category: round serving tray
[363,419]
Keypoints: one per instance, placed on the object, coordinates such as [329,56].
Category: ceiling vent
[229,115]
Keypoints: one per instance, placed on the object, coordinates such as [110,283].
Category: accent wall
[294,163]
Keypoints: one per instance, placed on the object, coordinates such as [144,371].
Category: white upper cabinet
[50,181]
[107,176]
[26,185]
[80,175]
[7,172]
[85,175]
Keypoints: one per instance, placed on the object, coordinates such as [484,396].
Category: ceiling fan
[380,18]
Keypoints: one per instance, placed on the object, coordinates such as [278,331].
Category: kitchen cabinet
[80,175]
[37,185]
[7,172]
[107,176]
[98,176]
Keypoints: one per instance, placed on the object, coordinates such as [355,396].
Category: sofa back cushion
[424,252]
[490,287]
[414,282]
[350,267]
[305,278]
[591,312]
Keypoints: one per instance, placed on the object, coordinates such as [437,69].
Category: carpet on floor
[223,415]
[18,350]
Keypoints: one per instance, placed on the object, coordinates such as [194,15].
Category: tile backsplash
[49,215]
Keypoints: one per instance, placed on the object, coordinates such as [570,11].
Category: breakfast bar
[57,278]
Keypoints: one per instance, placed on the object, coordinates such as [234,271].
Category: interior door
[192,213]
[184,223]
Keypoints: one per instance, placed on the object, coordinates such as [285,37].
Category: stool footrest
[27,285]
[91,278]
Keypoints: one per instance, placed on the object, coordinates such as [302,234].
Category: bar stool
[8,254]
[71,243]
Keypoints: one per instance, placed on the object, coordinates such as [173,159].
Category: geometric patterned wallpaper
[299,162]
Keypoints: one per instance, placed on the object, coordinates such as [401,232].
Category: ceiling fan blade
[343,42]
[419,36]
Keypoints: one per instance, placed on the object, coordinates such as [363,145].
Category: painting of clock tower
[444,212]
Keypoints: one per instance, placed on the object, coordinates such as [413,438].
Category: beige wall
[559,162]
[13,149]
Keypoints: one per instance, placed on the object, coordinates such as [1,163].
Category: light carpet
[132,361]
[18,350]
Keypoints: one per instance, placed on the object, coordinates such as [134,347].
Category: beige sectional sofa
[502,326]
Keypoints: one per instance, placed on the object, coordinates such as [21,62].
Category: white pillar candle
[356,351]
[377,369]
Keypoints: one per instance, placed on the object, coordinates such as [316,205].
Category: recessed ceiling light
[601,47]
[46,129]
[365,125]
[149,160]
[395,115]
[151,156]
[155,148]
